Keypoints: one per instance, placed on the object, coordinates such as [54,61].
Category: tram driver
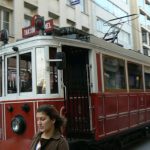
[27,83]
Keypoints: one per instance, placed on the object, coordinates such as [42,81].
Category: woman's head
[48,118]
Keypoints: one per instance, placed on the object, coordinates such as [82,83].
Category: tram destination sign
[31,30]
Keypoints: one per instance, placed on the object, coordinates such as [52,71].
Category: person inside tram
[49,136]
[27,84]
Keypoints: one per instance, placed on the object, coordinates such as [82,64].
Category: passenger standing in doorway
[49,136]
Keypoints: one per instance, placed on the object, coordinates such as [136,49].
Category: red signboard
[30,31]
[49,25]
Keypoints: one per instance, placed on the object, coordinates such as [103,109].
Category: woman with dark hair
[49,124]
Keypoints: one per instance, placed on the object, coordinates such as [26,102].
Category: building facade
[141,26]
[16,14]
[109,10]
[91,16]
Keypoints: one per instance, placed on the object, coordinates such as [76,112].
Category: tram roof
[95,43]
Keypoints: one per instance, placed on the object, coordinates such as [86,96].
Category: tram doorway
[76,78]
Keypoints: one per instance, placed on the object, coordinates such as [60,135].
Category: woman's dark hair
[53,113]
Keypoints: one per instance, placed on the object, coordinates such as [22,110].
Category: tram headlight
[18,124]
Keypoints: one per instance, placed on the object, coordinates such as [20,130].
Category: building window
[55,18]
[142,19]
[4,19]
[124,38]
[71,23]
[30,10]
[112,8]
[145,51]
[144,36]
[125,1]
[85,29]
[83,6]
[141,3]
[100,25]
[27,21]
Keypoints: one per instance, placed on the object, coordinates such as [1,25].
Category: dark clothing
[27,86]
[56,142]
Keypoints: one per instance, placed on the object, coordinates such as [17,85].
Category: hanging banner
[74,2]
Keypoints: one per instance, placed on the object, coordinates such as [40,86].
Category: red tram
[104,88]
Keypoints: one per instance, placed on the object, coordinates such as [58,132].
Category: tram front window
[25,72]
[53,71]
[11,75]
[40,69]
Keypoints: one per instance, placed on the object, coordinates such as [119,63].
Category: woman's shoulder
[62,137]
[63,144]
[61,141]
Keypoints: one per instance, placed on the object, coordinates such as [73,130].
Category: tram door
[77,92]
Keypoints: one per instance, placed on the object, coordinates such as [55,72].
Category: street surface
[144,144]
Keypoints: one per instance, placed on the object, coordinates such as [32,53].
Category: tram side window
[1,77]
[147,77]
[40,69]
[135,76]
[53,71]
[114,73]
[25,72]
[11,75]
